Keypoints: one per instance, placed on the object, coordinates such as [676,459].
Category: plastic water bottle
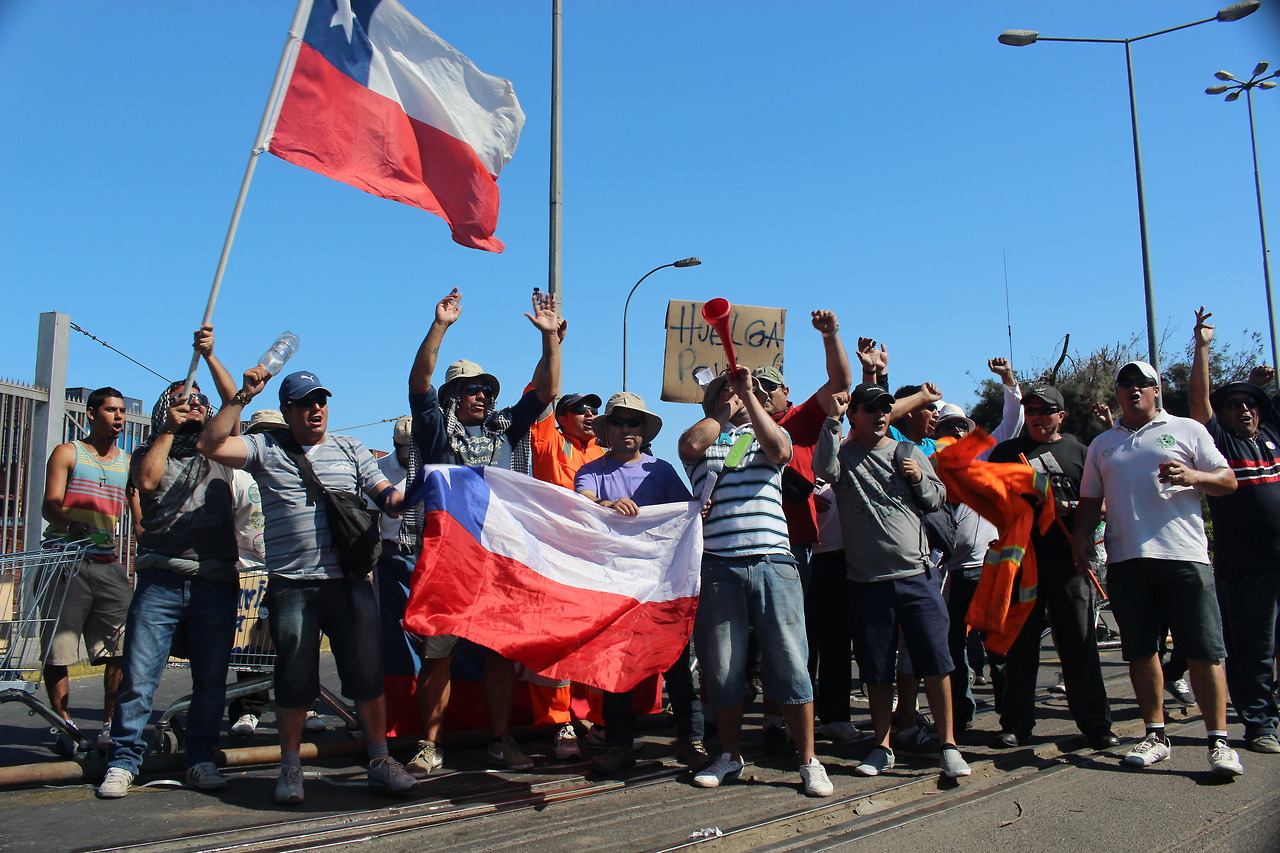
[281,351]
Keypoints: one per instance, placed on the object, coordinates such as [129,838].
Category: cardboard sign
[692,344]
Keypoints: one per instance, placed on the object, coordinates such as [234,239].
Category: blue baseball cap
[298,385]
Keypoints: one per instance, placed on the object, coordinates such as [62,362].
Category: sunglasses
[1142,382]
[1240,403]
[1040,411]
[313,400]
[768,385]
[630,423]
[882,408]
[475,389]
[200,400]
[582,410]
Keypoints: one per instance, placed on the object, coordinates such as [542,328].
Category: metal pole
[627,307]
[553,248]
[1262,227]
[1148,291]
[283,69]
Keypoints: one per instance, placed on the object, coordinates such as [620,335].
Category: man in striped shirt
[749,576]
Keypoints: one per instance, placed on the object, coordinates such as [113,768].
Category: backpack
[939,524]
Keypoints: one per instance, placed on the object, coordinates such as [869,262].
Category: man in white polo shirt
[1150,468]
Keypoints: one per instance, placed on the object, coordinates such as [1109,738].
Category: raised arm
[927,394]
[773,439]
[1198,392]
[875,362]
[826,461]
[546,321]
[1013,416]
[150,468]
[448,310]
[222,379]
[217,441]
[839,373]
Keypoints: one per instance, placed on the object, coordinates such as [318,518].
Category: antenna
[1008,317]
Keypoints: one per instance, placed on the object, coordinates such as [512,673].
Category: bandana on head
[495,426]
[170,504]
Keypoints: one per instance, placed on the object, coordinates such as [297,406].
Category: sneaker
[1224,761]
[1179,689]
[614,759]
[566,742]
[1059,687]
[205,777]
[776,741]
[245,726]
[1264,743]
[843,732]
[692,754]
[878,761]
[816,781]
[314,722]
[1149,750]
[390,774]
[428,758]
[115,784]
[723,768]
[916,741]
[506,753]
[289,785]
[952,763]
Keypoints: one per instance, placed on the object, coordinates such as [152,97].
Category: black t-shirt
[1063,461]
[1246,523]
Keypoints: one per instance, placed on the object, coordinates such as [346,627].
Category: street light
[1257,81]
[1022,38]
[684,262]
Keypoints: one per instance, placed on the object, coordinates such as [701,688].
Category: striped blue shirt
[746,507]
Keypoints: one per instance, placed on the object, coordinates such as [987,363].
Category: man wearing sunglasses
[1246,536]
[749,576]
[1068,597]
[307,587]
[461,425]
[1150,468]
[186,585]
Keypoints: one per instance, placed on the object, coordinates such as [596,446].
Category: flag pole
[553,251]
[265,128]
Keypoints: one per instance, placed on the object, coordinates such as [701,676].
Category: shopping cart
[33,588]
[251,652]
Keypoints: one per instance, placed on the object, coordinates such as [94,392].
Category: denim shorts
[879,608]
[347,614]
[1150,596]
[739,594]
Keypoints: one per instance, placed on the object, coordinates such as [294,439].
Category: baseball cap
[1141,367]
[1047,393]
[867,393]
[568,401]
[298,385]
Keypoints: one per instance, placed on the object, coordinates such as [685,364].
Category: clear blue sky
[872,158]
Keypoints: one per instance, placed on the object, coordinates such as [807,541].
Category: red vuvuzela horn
[716,312]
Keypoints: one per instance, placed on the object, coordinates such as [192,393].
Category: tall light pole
[684,262]
[1257,81]
[1022,38]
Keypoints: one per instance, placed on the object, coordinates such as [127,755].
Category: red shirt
[803,422]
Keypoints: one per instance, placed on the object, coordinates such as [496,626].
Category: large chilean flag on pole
[378,101]
[547,578]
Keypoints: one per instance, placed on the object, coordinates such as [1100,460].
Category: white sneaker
[566,742]
[314,722]
[1224,761]
[724,767]
[816,781]
[115,784]
[878,761]
[843,732]
[429,757]
[205,777]
[1151,749]
[390,774]
[953,764]
[289,785]
[245,726]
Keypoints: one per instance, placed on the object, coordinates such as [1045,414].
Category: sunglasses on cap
[1240,403]
[1041,411]
[630,423]
[1139,382]
[310,400]
[582,409]
[476,388]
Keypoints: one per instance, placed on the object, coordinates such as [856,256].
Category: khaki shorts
[95,608]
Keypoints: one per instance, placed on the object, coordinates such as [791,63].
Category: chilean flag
[378,101]
[545,577]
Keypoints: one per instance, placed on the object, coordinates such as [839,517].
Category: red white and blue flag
[545,577]
[378,101]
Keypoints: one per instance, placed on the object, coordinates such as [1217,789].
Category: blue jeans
[740,593]
[163,605]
